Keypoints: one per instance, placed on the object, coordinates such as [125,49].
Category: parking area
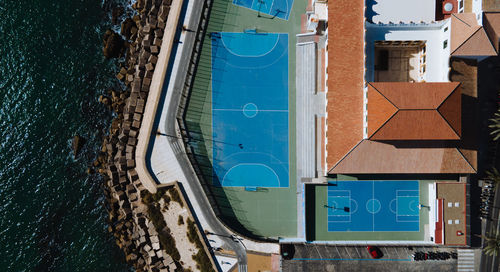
[317,257]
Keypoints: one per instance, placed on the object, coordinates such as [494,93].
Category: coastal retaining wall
[123,154]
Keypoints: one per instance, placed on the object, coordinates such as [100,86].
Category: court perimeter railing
[201,32]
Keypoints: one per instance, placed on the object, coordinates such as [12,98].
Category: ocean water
[52,71]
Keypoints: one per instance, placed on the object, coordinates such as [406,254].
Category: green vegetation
[495,126]
[494,176]
[201,258]
[174,193]
[148,198]
[167,242]
[492,246]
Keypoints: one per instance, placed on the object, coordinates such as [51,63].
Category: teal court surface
[275,8]
[250,109]
[373,206]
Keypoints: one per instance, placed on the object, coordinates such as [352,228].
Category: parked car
[375,252]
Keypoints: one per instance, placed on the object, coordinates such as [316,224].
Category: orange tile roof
[380,110]
[463,25]
[420,111]
[345,78]
[468,38]
[347,151]
[409,95]
[403,157]
[491,23]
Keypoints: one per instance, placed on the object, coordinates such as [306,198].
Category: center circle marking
[373,205]
[250,110]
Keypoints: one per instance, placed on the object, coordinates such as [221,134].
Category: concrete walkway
[168,159]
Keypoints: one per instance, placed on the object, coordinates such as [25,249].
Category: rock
[113,44]
[116,13]
[127,28]
[77,144]
[154,49]
[105,100]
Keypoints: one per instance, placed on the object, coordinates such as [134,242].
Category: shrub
[167,199]
[146,197]
[174,193]
[201,258]
[167,242]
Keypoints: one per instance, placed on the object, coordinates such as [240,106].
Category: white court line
[244,164]
[328,216]
[373,197]
[278,37]
[250,8]
[242,110]
[265,65]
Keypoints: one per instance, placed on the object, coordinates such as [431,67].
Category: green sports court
[396,217]
[253,206]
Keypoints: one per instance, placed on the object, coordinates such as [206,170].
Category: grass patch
[167,241]
[174,193]
[201,258]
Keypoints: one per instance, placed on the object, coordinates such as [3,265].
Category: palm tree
[494,176]
[492,241]
[495,126]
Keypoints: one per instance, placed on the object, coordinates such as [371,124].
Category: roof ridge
[449,125]
[384,95]
[442,116]
[345,156]
[465,41]
[448,96]
[465,159]
[487,37]
[390,117]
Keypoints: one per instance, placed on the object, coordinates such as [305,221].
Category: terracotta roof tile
[451,113]
[379,110]
[476,45]
[463,25]
[407,95]
[416,125]
[373,157]
[345,78]
[417,116]
[491,24]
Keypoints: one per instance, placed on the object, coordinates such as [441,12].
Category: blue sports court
[275,8]
[373,206]
[250,109]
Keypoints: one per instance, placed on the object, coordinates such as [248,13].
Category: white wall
[477,8]
[437,57]
[406,11]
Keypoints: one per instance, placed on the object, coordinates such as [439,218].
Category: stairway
[466,260]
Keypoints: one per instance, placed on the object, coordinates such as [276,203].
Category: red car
[375,252]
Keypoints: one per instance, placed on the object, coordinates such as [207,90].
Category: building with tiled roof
[390,105]
[391,109]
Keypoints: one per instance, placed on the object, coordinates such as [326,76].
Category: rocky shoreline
[135,215]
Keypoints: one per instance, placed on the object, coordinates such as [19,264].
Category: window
[445,29]
[445,44]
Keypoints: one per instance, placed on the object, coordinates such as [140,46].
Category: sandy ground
[185,247]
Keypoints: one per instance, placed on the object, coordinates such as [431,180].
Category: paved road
[333,258]
[188,39]
[489,263]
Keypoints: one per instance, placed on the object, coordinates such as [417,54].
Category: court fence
[200,34]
